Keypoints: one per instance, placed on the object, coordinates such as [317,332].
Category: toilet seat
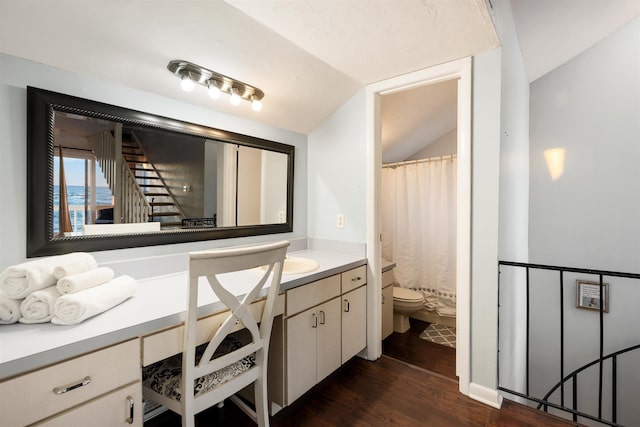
[406,295]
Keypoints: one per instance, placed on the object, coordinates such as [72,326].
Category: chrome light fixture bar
[189,72]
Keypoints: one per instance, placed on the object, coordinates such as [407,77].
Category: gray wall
[337,174]
[514,199]
[180,162]
[591,108]
[18,73]
[588,217]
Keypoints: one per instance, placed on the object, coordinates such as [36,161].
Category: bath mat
[440,334]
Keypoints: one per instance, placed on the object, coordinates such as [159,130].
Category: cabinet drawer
[111,410]
[387,278]
[307,296]
[354,278]
[161,345]
[42,393]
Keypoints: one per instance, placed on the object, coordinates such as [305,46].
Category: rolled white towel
[18,281]
[74,308]
[86,280]
[74,263]
[9,309]
[37,307]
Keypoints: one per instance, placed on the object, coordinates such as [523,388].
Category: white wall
[588,217]
[514,199]
[590,107]
[484,221]
[337,153]
[17,74]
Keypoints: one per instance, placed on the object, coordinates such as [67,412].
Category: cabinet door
[119,408]
[354,322]
[301,353]
[328,341]
[387,311]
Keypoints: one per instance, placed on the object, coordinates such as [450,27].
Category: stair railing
[544,402]
[134,204]
[159,175]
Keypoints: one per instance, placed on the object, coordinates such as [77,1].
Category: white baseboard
[485,395]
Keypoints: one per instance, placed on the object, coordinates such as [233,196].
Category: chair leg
[188,417]
[262,405]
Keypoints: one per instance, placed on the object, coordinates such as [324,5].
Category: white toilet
[405,303]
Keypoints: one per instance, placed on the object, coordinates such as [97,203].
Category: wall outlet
[281,217]
[340,221]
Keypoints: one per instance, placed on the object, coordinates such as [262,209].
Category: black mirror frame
[41,107]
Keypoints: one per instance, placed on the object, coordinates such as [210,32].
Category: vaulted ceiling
[308,56]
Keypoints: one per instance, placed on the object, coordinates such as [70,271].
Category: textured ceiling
[309,56]
[378,39]
[351,43]
[551,32]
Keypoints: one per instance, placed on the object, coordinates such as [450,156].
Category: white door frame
[460,70]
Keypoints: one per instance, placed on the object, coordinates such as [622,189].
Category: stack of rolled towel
[64,290]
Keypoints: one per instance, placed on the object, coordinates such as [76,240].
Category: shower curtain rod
[427,160]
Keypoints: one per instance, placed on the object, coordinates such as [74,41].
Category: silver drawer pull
[131,406]
[346,306]
[356,279]
[62,390]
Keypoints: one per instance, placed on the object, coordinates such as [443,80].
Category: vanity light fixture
[187,84]
[235,96]
[214,90]
[190,73]
[256,104]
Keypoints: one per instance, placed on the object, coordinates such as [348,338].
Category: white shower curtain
[419,229]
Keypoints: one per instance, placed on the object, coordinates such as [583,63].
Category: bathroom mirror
[105,177]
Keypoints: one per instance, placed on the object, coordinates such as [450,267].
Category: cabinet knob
[322,319]
[314,320]
[346,306]
[356,279]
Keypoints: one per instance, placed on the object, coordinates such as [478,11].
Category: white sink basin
[295,265]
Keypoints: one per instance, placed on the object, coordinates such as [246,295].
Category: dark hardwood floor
[422,391]
[410,348]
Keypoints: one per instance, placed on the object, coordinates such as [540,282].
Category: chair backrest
[212,264]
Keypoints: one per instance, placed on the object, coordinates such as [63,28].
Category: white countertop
[159,302]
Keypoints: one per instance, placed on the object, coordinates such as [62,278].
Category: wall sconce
[190,73]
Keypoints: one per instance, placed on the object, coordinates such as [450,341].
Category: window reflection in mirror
[110,178]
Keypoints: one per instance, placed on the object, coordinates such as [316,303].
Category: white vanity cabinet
[387,303]
[313,329]
[354,312]
[325,326]
[102,386]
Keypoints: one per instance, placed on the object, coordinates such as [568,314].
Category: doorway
[461,72]
[418,221]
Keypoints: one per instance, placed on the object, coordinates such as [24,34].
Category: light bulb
[256,104]
[214,90]
[235,98]
[187,84]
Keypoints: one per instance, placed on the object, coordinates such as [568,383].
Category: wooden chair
[204,375]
